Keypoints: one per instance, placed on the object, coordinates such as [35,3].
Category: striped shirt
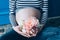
[18,4]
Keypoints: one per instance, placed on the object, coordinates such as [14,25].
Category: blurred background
[53,18]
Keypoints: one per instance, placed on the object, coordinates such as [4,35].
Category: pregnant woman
[25,19]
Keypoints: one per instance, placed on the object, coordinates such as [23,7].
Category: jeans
[12,35]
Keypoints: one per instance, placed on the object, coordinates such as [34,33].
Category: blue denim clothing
[48,33]
[13,35]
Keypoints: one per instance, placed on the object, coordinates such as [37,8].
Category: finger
[34,35]
[33,32]
[25,34]
[20,32]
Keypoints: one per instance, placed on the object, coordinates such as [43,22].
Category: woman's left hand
[33,32]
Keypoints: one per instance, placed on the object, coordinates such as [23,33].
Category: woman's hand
[33,32]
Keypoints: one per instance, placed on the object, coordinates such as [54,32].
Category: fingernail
[34,35]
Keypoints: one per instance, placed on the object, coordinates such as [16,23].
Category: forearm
[12,20]
[12,12]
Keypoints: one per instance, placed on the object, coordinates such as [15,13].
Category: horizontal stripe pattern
[17,4]
[45,9]
[27,3]
[12,6]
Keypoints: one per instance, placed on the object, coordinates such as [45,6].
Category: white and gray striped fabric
[18,4]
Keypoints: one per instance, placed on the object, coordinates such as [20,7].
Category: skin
[25,14]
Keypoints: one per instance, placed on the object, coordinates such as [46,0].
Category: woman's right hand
[17,29]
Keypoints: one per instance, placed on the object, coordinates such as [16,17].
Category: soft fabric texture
[48,33]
